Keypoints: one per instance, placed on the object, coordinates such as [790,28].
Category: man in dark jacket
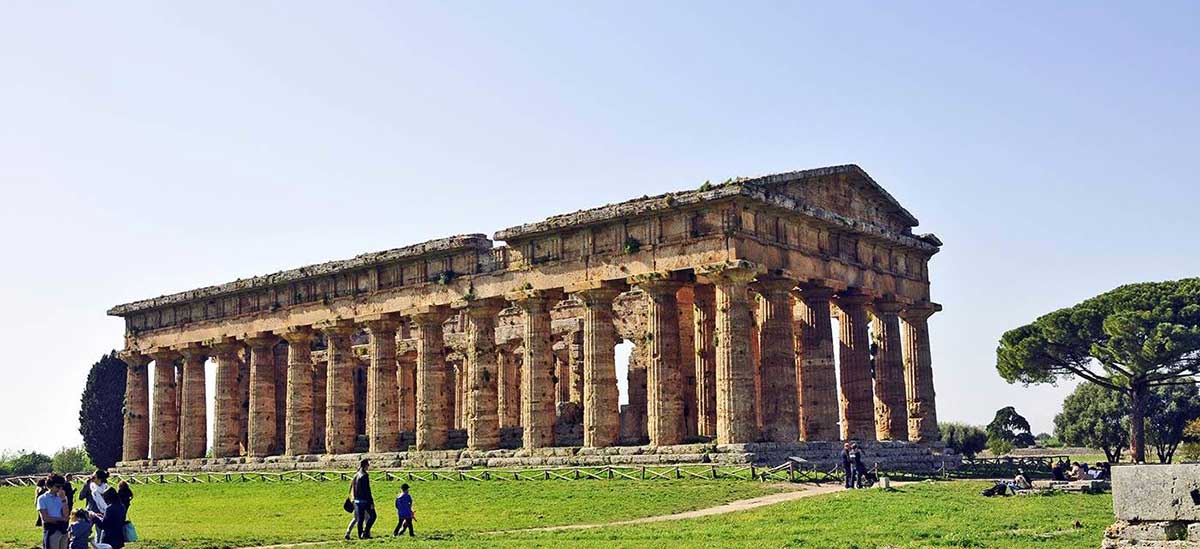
[364,504]
[847,466]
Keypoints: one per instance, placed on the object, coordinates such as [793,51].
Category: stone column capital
[259,340]
[429,315]
[133,358]
[480,308]
[592,297]
[815,291]
[853,297]
[919,311]
[297,335]
[730,272]
[380,324]
[772,285]
[193,351]
[655,287]
[226,348]
[888,305]
[527,298]
[164,354]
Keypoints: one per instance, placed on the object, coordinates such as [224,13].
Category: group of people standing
[362,504]
[104,511]
[857,474]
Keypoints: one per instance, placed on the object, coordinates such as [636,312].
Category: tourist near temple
[465,351]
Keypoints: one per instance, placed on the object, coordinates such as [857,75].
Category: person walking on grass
[856,467]
[364,504]
[404,512]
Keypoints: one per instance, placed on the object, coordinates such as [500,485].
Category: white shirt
[98,497]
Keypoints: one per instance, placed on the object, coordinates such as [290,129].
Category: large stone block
[1157,492]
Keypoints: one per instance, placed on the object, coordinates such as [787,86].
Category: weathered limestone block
[858,413]
[891,410]
[299,400]
[383,406]
[601,398]
[432,395]
[136,434]
[261,424]
[1157,492]
[736,420]
[818,406]
[193,421]
[918,374]
[778,359]
[704,316]
[537,386]
[664,399]
[164,440]
[340,431]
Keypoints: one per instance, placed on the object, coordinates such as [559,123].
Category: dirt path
[790,493]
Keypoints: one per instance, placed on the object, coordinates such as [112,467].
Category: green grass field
[944,514]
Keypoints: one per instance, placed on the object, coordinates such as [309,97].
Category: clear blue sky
[151,148]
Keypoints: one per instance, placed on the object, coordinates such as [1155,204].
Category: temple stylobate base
[889,456]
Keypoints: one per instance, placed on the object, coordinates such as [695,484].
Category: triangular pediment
[845,190]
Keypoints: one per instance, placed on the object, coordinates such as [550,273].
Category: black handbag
[348,505]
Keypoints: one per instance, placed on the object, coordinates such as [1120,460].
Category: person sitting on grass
[1020,482]
[1059,470]
[404,512]
[1077,472]
[81,530]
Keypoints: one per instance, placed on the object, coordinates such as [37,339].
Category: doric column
[320,396]
[227,402]
[687,352]
[562,393]
[340,431]
[193,417]
[454,385]
[735,370]
[601,398]
[298,426]
[260,432]
[136,435]
[704,315]
[664,384]
[433,397]
[633,427]
[891,413]
[537,384]
[818,405]
[574,342]
[509,397]
[164,439]
[483,420]
[778,359]
[918,373]
[854,351]
[383,406]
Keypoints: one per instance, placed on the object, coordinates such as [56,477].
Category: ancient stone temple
[463,350]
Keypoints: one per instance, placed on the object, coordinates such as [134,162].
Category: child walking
[404,512]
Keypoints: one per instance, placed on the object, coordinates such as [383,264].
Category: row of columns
[801,397]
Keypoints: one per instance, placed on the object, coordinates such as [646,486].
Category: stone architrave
[261,425]
[704,317]
[778,360]
[537,383]
[340,430]
[891,412]
[664,384]
[601,399]
[854,351]
[227,402]
[918,374]
[433,397]
[736,422]
[482,377]
[164,439]
[193,417]
[136,434]
[383,406]
[298,426]
[818,404]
